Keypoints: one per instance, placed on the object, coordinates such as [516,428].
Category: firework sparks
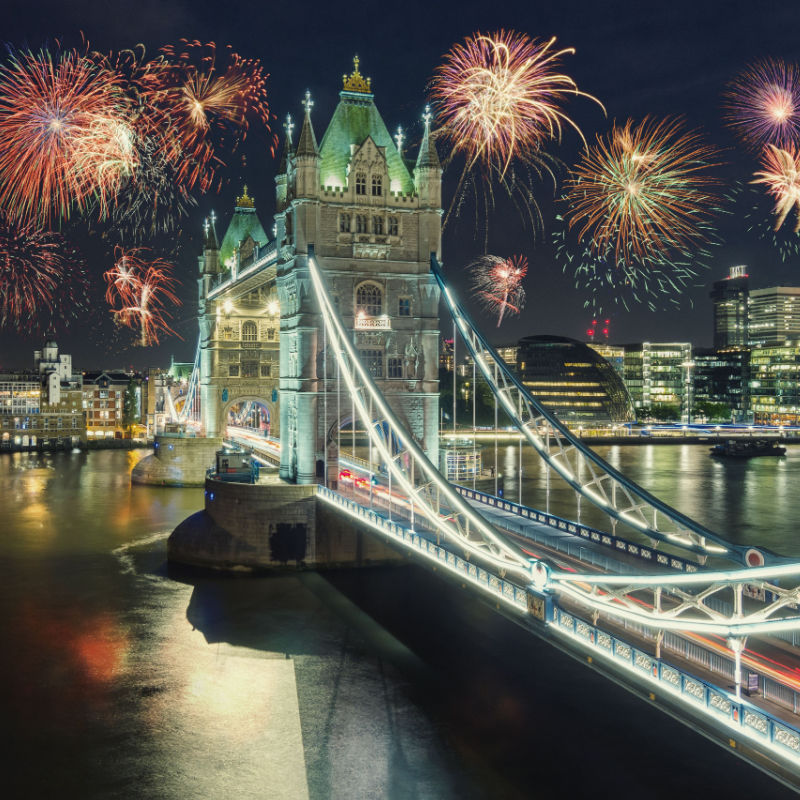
[762,104]
[499,100]
[138,289]
[499,96]
[41,277]
[781,176]
[210,97]
[497,283]
[644,190]
[64,135]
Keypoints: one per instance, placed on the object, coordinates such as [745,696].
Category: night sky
[671,59]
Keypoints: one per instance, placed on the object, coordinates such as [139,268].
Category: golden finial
[245,201]
[355,82]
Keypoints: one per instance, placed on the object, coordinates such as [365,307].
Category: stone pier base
[272,525]
[177,461]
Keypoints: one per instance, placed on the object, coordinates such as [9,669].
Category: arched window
[377,225]
[361,223]
[369,300]
[249,332]
[394,227]
[344,223]
[361,183]
[377,185]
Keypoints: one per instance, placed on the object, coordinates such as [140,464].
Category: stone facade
[372,220]
[238,322]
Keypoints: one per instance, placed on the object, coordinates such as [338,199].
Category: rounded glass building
[572,380]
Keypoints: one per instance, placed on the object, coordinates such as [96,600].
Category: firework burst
[211,99]
[497,283]
[138,289]
[781,176]
[762,104]
[64,133]
[644,191]
[42,280]
[499,100]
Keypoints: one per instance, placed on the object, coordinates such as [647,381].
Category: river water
[122,678]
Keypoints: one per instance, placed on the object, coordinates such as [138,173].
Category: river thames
[123,678]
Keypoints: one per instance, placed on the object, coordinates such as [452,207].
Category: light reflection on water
[122,680]
[750,501]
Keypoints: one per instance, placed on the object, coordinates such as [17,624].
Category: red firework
[64,133]
[41,276]
[210,98]
[762,104]
[138,289]
[497,283]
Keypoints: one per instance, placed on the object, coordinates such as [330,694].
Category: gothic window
[395,368]
[361,183]
[369,300]
[250,369]
[361,224]
[249,332]
[265,368]
[377,226]
[344,223]
[377,185]
[404,307]
[394,227]
[373,361]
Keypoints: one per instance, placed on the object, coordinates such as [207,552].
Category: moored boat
[748,448]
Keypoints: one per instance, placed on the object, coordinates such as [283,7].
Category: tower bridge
[332,324]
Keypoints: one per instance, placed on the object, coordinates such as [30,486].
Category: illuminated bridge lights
[614,494]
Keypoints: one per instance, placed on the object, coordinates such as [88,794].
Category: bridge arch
[272,409]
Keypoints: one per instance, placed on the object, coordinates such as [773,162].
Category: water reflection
[749,502]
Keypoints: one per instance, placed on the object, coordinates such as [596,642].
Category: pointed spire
[288,126]
[209,233]
[428,158]
[307,144]
[399,138]
[245,201]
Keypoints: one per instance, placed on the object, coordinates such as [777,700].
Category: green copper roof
[356,118]
[245,223]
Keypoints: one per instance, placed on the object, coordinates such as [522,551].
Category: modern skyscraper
[774,315]
[730,309]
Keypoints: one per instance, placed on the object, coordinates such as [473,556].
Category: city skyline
[674,75]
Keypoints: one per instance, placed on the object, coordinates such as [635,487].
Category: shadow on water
[457,700]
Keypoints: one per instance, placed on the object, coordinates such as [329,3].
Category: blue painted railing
[598,537]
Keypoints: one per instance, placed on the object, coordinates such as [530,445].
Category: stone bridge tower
[373,218]
[239,320]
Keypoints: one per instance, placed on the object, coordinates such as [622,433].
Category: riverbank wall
[272,525]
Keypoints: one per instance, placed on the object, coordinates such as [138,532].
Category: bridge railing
[597,537]
[741,716]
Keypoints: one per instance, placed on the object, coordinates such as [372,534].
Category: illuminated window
[249,332]
[377,185]
[361,183]
[369,300]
